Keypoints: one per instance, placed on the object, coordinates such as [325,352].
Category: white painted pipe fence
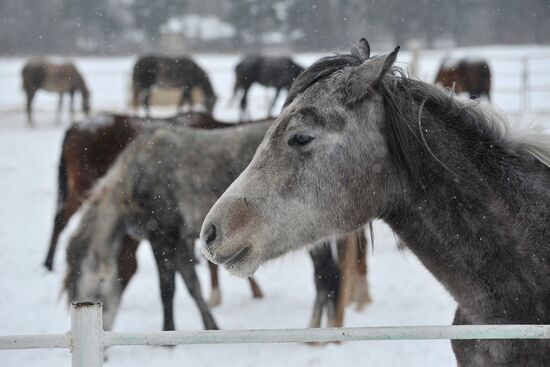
[86,340]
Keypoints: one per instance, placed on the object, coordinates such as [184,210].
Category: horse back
[91,147]
[278,72]
[57,78]
[167,72]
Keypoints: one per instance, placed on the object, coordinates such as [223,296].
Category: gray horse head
[297,190]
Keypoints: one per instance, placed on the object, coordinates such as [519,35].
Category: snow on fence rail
[86,340]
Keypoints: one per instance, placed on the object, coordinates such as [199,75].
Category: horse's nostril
[210,234]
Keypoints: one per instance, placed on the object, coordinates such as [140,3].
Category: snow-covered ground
[404,292]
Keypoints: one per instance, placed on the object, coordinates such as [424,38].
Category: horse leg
[273,102]
[71,104]
[346,257]
[361,295]
[326,276]
[127,261]
[244,102]
[185,99]
[215,296]
[30,97]
[60,103]
[146,100]
[135,98]
[255,288]
[318,307]
[165,259]
[184,264]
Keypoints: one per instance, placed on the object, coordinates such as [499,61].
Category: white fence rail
[86,340]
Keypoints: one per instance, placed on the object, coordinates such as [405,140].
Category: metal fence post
[87,334]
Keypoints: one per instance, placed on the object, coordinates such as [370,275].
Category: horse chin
[242,269]
[241,263]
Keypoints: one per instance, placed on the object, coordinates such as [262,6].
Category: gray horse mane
[405,97]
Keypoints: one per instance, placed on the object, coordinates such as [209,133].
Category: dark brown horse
[278,72]
[166,72]
[465,76]
[56,78]
[88,151]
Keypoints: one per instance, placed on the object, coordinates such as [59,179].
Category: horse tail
[61,211]
[62,176]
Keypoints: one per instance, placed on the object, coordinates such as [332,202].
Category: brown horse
[56,78]
[88,151]
[166,72]
[465,76]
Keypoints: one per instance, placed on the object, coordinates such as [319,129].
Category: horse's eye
[300,140]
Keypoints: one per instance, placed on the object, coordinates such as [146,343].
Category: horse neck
[478,224]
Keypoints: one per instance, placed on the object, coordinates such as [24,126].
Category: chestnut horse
[57,78]
[470,76]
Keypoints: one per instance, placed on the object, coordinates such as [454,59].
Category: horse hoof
[321,344]
[257,294]
[48,265]
[315,344]
[212,326]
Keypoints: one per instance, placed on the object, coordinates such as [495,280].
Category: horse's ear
[367,76]
[362,50]
[375,69]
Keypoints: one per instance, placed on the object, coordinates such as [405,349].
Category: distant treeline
[136,26]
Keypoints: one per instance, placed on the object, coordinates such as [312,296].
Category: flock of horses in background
[92,147]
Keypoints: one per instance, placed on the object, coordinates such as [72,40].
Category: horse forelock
[321,69]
